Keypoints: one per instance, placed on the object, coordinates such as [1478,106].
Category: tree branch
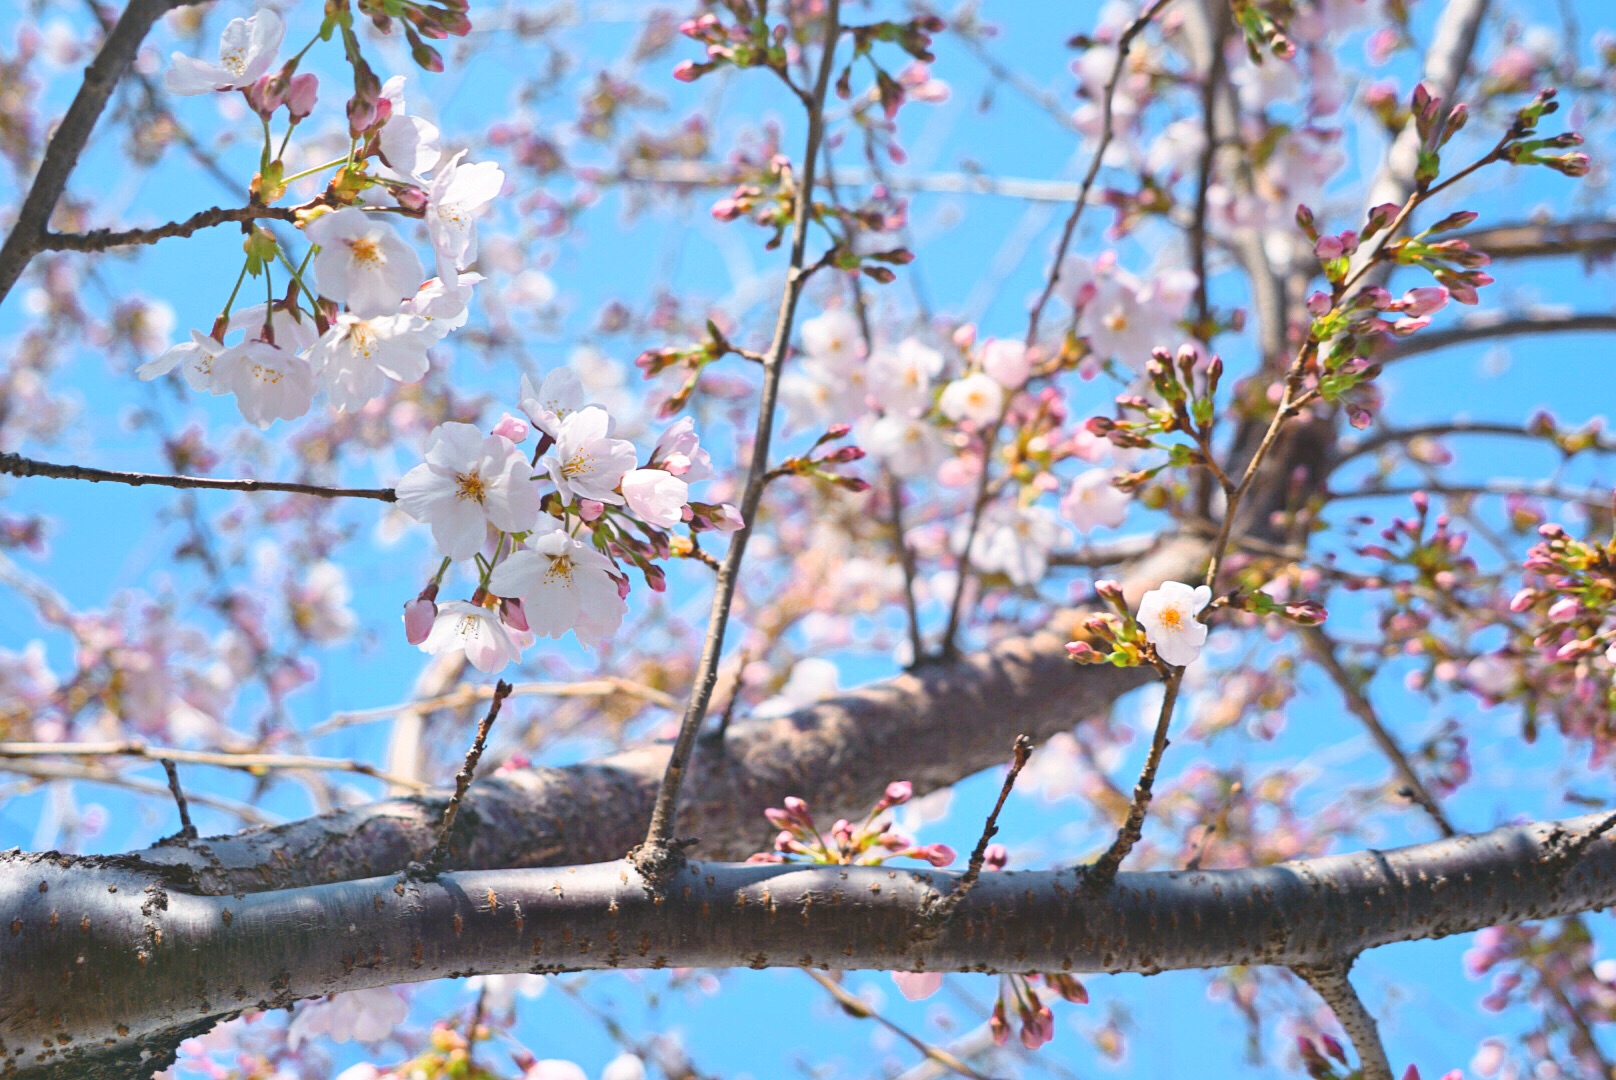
[1330,982]
[1515,326]
[1528,240]
[101,239]
[17,465]
[117,53]
[144,963]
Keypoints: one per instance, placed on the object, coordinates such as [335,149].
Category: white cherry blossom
[901,378]
[195,360]
[443,308]
[560,395]
[246,50]
[1094,501]
[356,355]
[409,144]
[367,1016]
[489,644]
[564,584]
[833,339]
[976,398]
[468,482]
[457,196]
[363,262]
[1015,541]
[1006,363]
[679,451]
[624,1067]
[270,383]
[586,462]
[656,496]
[1168,615]
[909,447]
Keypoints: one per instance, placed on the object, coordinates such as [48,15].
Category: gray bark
[106,964]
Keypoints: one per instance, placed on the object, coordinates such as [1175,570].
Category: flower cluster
[869,843]
[1167,627]
[370,314]
[558,524]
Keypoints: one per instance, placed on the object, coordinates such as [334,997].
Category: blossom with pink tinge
[586,462]
[656,497]
[558,396]
[489,644]
[458,196]
[363,262]
[246,51]
[467,482]
[1094,501]
[918,985]
[976,398]
[1006,362]
[564,584]
[355,358]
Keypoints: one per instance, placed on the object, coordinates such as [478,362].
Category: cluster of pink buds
[746,42]
[822,466]
[1186,388]
[285,87]
[1018,995]
[869,843]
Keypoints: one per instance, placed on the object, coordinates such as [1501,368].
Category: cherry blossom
[489,644]
[560,395]
[909,447]
[468,482]
[1015,541]
[564,584]
[586,461]
[355,355]
[657,497]
[270,383]
[833,339]
[976,398]
[901,379]
[195,360]
[918,985]
[442,308]
[246,50]
[624,1066]
[365,1016]
[363,262]
[1168,615]
[1006,362]
[458,194]
[679,452]
[1093,502]
[408,144]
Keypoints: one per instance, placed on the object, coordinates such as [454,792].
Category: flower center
[233,60]
[366,252]
[362,338]
[1172,618]
[470,486]
[578,464]
[1116,321]
[560,572]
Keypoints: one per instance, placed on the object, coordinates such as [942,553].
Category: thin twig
[247,762]
[1331,983]
[469,694]
[1323,649]
[17,465]
[1104,870]
[990,436]
[187,830]
[1539,489]
[44,771]
[657,856]
[1390,436]
[101,239]
[857,1006]
[1517,326]
[468,768]
[973,870]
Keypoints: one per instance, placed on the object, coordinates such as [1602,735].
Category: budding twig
[657,855]
[101,239]
[1104,870]
[1330,982]
[440,850]
[854,1005]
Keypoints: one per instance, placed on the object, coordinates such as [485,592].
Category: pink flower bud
[795,805]
[1523,600]
[938,855]
[995,857]
[1329,247]
[686,71]
[513,613]
[419,615]
[1077,649]
[916,985]
[965,335]
[1425,300]
[513,428]
[301,95]
[267,94]
[1564,609]
[411,198]
[899,792]
[590,509]
[726,518]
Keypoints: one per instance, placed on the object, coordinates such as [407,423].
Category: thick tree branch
[126,961]
[118,50]
[1528,240]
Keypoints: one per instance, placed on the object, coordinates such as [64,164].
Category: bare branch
[1487,330]
[1105,867]
[17,465]
[102,239]
[468,769]
[857,1006]
[1401,435]
[1529,240]
[226,759]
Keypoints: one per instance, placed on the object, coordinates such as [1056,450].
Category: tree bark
[107,964]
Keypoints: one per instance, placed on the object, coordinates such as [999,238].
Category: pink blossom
[918,985]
